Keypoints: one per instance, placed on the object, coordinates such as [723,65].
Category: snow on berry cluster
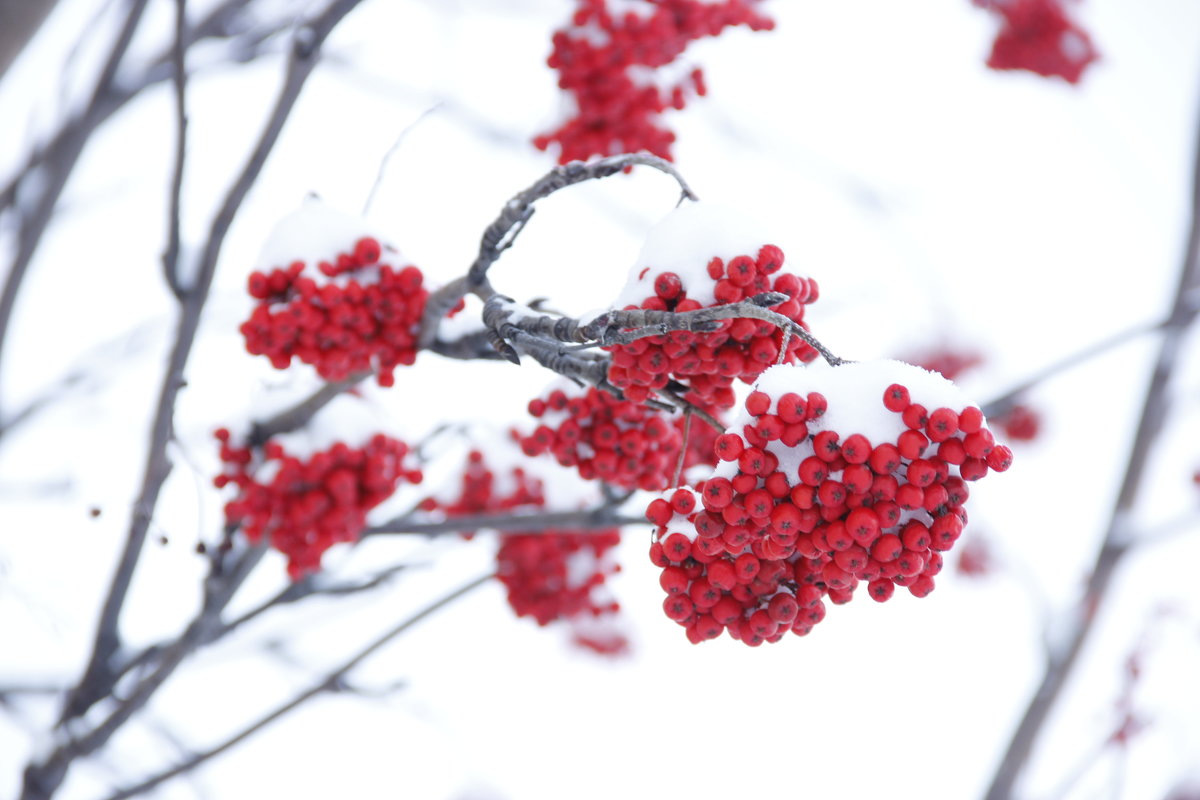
[1038,36]
[1019,422]
[606,59]
[302,507]
[548,575]
[833,477]
[671,278]
[359,314]
[614,440]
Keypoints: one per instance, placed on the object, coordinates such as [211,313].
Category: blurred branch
[1000,405]
[171,256]
[603,516]
[43,776]
[332,682]
[297,416]
[55,168]
[32,194]
[1062,659]
[22,19]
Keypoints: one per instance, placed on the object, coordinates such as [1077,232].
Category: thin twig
[297,416]
[383,163]
[600,517]
[44,775]
[1001,404]
[687,430]
[331,682]
[34,218]
[171,256]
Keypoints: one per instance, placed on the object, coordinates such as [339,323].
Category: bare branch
[606,515]
[501,234]
[43,777]
[297,416]
[334,681]
[53,163]
[171,256]
[1062,659]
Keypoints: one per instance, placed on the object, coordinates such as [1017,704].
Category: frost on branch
[340,304]
[831,477]
[610,60]
[704,256]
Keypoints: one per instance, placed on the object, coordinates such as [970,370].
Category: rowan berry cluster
[614,440]
[550,574]
[708,363]
[365,318]
[602,60]
[1038,36]
[306,506]
[817,492]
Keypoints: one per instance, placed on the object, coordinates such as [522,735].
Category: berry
[794,524]
[602,59]
[308,506]
[367,320]
[707,363]
[618,441]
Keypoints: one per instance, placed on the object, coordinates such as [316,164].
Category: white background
[935,202]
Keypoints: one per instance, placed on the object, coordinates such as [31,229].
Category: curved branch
[501,234]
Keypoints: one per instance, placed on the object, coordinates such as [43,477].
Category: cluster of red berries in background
[799,512]
[709,363]
[1038,36]
[614,440]
[1020,422]
[309,505]
[976,558]
[365,318]
[602,58]
[548,575]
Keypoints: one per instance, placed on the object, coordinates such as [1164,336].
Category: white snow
[315,231]
[686,240]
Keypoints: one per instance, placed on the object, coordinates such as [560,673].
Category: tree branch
[331,682]
[1062,660]
[43,777]
[501,234]
[171,256]
[53,163]
[605,515]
